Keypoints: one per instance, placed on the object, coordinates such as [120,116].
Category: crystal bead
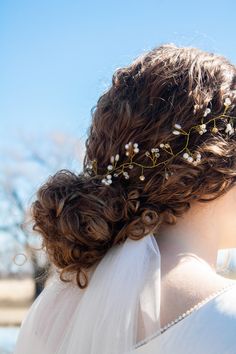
[214,130]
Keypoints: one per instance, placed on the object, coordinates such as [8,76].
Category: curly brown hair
[80,218]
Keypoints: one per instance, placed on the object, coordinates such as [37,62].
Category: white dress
[211,329]
[119,312]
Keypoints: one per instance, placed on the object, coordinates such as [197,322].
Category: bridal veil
[119,309]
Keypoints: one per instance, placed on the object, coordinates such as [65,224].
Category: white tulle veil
[117,312]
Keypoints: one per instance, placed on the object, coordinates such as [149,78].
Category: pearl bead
[197,306]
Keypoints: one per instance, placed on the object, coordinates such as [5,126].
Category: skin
[189,254]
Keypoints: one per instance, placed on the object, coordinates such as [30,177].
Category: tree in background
[23,170]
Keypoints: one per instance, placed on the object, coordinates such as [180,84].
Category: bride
[134,237]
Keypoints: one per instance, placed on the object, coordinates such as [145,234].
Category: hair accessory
[132,149]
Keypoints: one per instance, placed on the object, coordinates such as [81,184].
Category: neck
[189,256]
[189,248]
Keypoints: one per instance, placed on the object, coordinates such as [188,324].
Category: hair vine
[132,149]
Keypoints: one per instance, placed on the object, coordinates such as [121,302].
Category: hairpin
[132,149]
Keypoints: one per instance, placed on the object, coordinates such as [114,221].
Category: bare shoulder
[209,329]
[216,303]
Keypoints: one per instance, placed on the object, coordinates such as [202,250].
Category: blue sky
[57,56]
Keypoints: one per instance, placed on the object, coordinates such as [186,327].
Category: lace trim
[185,314]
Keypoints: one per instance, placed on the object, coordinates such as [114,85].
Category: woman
[134,237]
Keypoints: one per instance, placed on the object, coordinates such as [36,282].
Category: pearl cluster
[188,312]
[108,178]
[201,129]
[131,150]
[130,145]
[194,158]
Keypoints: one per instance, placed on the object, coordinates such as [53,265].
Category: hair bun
[68,215]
